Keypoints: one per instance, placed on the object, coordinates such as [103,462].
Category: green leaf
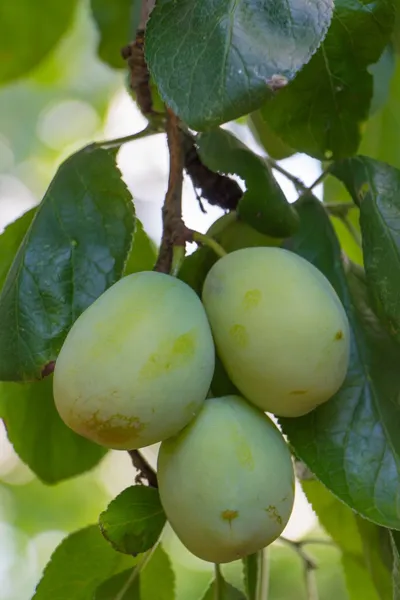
[79,565]
[74,249]
[322,110]
[395,539]
[226,56]
[375,186]
[263,205]
[382,73]
[157,579]
[134,520]
[351,443]
[123,586]
[143,254]
[39,436]
[367,575]
[226,591]
[267,138]
[113,20]
[28,35]
[10,241]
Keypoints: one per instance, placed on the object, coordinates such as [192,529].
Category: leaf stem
[299,185]
[147,131]
[178,256]
[309,565]
[319,179]
[219,583]
[206,240]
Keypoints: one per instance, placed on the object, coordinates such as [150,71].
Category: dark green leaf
[74,250]
[157,579]
[27,35]
[376,186]
[263,205]
[10,241]
[225,592]
[367,575]
[321,111]
[79,565]
[123,586]
[134,520]
[267,138]
[395,538]
[351,443]
[39,436]
[227,57]
[143,254]
[114,21]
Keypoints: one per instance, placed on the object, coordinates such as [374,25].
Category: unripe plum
[279,327]
[226,481]
[136,366]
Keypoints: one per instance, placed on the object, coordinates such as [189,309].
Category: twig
[309,566]
[298,547]
[319,179]
[175,232]
[145,472]
[206,240]
[299,185]
[147,131]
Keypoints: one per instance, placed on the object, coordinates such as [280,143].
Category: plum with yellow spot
[279,327]
[137,364]
[226,481]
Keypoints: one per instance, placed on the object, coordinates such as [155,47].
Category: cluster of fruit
[137,366]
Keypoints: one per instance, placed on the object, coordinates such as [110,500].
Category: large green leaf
[268,139]
[143,254]
[155,581]
[79,565]
[28,32]
[351,443]
[322,110]
[39,436]
[114,21]
[10,241]
[225,56]
[263,205]
[75,248]
[395,538]
[367,575]
[223,591]
[376,186]
[134,520]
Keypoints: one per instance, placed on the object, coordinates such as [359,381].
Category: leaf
[226,592]
[395,539]
[74,249]
[155,582]
[79,565]
[375,187]
[382,73]
[133,521]
[225,55]
[143,254]
[28,35]
[113,20]
[267,138]
[263,205]
[367,576]
[39,436]
[10,241]
[321,111]
[351,443]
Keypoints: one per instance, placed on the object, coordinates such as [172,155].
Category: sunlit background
[71,100]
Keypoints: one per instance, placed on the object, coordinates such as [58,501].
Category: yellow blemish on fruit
[229,515]
[170,355]
[239,335]
[117,429]
[339,335]
[242,450]
[251,299]
[273,514]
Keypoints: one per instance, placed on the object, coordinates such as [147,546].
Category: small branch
[309,566]
[298,548]
[145,472]
[206,240]
[175,232]
[147,131]
[298,184]
[319,180]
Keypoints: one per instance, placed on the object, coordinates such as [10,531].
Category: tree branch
[145,472]
[175,232]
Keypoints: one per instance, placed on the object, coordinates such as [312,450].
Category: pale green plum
[226,481]
[279,327]
[136,366]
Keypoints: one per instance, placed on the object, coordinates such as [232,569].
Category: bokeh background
[69,101]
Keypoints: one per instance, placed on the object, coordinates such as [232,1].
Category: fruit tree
[256,359]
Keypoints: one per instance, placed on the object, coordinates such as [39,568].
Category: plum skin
[137,364]
[279,328]
[226,481]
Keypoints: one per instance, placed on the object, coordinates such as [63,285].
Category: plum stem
[219,583]
[115,143]
[263,575]
[206,240]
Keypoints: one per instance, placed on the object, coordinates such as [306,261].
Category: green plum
[136,366]
[226,481]
[280,329]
